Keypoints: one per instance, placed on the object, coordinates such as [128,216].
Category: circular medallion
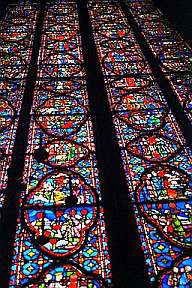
[117,44]
[121,63]
[61,32]
[64,47]
[141,111]
[164,199]
[127,84]
[105,10]
[8,61]
[14,47]
[14,33]
[158,28]
[61,65]
[148,13]
[62,9]
[153,148]
[176,60]
[59,212]
[61,116]
[64,153]
[113,30]
[62,86]
[19,12]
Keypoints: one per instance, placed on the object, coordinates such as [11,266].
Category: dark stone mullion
[127,259]
[15,171]
[3,5]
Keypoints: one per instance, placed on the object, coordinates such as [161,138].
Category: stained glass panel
[16,37]
[61,239]
[172,52]
[155,157]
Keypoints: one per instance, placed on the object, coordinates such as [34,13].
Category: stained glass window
[16,36]
[60,237]
[62,231]
[156,160]
[172,52]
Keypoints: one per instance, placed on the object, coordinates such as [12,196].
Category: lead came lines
[61,216]
[163,208]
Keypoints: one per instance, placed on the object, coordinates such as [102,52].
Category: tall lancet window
[155,157]
[16,38]
[60,236]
